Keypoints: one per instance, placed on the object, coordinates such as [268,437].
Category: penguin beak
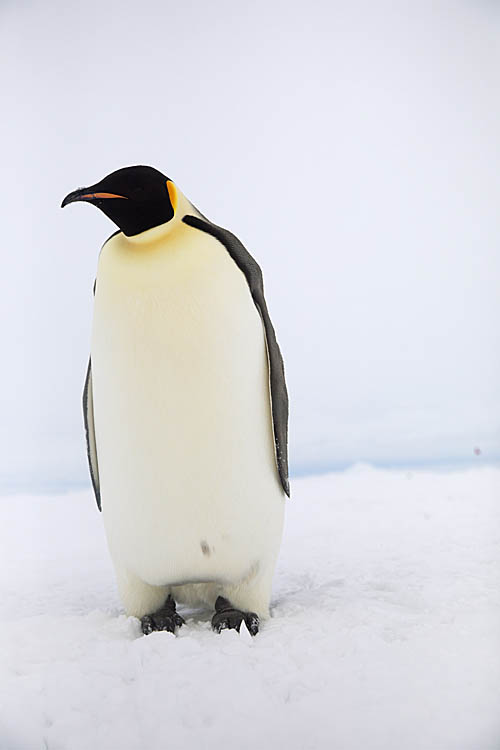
[87,194]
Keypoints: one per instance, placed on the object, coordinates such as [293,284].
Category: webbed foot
[227,617]
[165,618]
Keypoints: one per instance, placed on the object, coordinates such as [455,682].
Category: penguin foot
[165,618]
[226,617]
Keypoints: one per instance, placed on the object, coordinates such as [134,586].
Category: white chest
[182,410]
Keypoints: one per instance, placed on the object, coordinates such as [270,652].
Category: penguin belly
[189,485]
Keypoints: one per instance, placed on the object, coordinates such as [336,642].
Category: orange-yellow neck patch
[172,194]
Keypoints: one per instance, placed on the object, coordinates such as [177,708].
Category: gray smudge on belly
[205,548]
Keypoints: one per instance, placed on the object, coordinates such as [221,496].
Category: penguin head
[135,198]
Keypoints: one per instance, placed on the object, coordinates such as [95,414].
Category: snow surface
[385,630]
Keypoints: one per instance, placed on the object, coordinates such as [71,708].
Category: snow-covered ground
[385,630]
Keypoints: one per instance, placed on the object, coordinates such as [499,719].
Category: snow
[385,630]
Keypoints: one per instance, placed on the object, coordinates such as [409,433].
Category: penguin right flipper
[279,395]
[88,418]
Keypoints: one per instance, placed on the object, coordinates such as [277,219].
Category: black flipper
[279,396]
[88,418]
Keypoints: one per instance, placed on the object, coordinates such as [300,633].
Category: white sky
[353,147]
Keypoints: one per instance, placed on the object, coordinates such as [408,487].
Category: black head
[135,198]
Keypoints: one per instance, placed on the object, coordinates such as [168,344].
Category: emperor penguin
[185,408]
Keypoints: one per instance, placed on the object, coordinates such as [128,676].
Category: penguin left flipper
[88,418]
[165,618]
[227,617]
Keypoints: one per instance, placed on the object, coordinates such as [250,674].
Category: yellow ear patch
[172,194]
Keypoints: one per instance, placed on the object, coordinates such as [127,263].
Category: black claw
[252,622]
[165,618]
[147,625]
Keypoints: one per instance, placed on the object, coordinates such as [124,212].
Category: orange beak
[82,195]
[90,196]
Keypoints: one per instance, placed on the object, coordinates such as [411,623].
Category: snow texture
[385,630]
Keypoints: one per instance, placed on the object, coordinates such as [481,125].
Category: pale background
[354,149]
